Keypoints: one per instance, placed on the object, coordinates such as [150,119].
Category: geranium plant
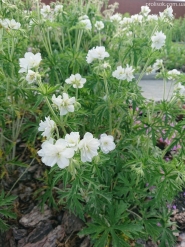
[70,75]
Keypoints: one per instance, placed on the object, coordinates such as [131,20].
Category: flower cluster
[10,24]
[49,13]
[124,73]
[61,151]
[96,53]
[29,62]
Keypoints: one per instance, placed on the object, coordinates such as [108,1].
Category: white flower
[58,8]
[152,18]
[117,17]
[126,21]
[88,147]
[124,74]
[12,24]
[107,143]
[45,11]
[106,65]
[47,127]
[86,24]
[57,153]
[157,65]
[149,70]
[83,17]
[76,80]
[180,88]
[172,74]
[158,40]
[129,73]
[99,25]
[96,53]
[137,18]
[31,76]
[72,140]
[167,13]
[145,10]
[29,61]
[129,34]
[64,104]
[119,73]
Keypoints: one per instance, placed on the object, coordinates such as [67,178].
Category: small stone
[86,242]
[42,229]
[50,240]
[19,233]
[35,216]
[71,223]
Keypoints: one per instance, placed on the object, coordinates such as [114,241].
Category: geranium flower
[167,13]
[137,18]
[157,65]
[180,88]
[145,10]
[152,17]
[56,153]
[86,24]
[58,8]
[76,80]
[47,127]
[31,76]
[119,73]
[129,73]
[172,74]
[45,11]
[96,53]
[158,40]
[124,73]
[88,147]
[29,61]
[107,143]
[72,140]
[126,21]
[99,25]
[117,17]
[64,104]
[12,24]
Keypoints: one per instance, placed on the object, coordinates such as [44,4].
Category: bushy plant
[116,158]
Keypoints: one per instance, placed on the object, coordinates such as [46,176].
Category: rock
[71,223]
[50,240]
[86,242]
[19,233]
[180,218]
[35,216]
[42,229]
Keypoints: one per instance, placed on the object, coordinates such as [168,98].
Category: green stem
[20,176]
[143,71]
[100,38]
[56,119]
[109,105]
[55,116]
[76,93]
